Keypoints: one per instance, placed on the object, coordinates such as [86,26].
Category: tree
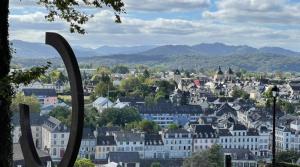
[150,100]
[149,126]
[101,88]
[239,93]
[287,156]
[146,73]
[66,10]
[173,126]
[155,164]
[61,113]
[212,157]
[144,125]
[119,117]
[56,75]
[31,101]
[91,117]
[84,163]
[120,69]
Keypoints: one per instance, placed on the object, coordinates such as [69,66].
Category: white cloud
[166,5]
[135,31]
[256,11]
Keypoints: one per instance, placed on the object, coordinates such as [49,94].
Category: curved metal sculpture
[30,154]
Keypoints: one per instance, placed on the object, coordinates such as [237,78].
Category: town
[143,117]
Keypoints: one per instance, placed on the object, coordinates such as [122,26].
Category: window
[54,151]
[54,135]
[62,142]
[62,135]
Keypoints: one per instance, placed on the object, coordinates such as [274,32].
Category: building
[36,122]
[178,142]
[204,137]
[229,76]
[239,137]
[124,159]
[154,147]
[165,114]
[88,144]
[102,103]
[105,144]
[288,138]
[55,138]
[219,75]
[241,157]
[18,158]
[44,95]
[130,142]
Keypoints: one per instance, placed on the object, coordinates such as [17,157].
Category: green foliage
[287,156]
[56,75]
[73,13]
[239,93]
[61,113]
[31,101]
[155,164]
[120,69]
[136,86]
[101,88]
[150,100]
[144,125]
[91,117]
[119,117]
[84,163]
[25,77]
[212,157]
[146,73]
[173,126]
[287,106]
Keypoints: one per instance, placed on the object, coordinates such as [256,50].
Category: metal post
[273,138]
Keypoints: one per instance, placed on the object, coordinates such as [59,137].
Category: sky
[256,23]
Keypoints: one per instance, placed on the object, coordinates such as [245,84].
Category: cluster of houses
[105,143]
[210,116]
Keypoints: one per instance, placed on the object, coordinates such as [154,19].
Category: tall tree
[69,11]
[5,88]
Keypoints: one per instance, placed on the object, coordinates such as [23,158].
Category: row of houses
[51,135]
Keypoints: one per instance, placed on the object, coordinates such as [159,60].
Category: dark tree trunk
[5,89]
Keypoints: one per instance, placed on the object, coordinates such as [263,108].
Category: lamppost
[275,92]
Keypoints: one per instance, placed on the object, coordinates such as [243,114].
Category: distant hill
[38,50]
[216,49]
[109,50]
[203,55]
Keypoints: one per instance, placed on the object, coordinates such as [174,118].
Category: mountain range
[39,50]
[204,55]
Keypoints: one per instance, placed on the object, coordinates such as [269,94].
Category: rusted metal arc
[27,145]
[69,59]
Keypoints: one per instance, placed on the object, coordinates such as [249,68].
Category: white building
[105,144]
[154,147]
[55,138]
[238,136]
[204,137]
[130,142]
[288,138]
[178,143]
[241,157]
[36,122]
[88,144]
[102,103]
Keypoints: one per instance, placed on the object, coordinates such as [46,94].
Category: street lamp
[275,93]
